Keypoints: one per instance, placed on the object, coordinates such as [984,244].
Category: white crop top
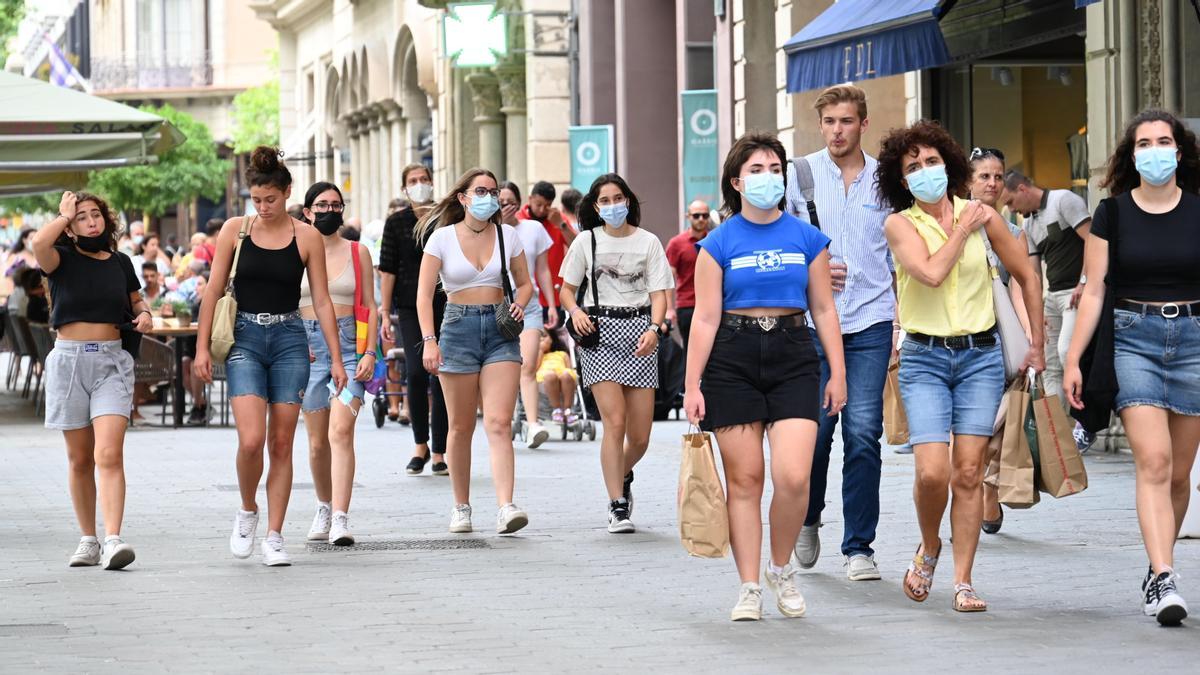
[457,272]
[341,289]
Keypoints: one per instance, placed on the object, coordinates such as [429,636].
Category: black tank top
[268,279]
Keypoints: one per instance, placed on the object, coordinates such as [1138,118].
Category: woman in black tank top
[268,364]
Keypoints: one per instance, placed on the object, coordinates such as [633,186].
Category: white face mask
[419,193]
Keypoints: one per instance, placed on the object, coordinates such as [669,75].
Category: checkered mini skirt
[613,360]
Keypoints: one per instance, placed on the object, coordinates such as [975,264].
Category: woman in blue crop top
[752,369]
[89,378]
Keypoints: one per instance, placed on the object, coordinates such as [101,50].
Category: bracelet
[429,338]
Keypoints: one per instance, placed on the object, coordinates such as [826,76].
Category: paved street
[565,595]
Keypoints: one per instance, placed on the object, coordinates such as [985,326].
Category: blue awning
[1080,4]
[865,39]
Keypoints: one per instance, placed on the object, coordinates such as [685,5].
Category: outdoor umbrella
[51,136]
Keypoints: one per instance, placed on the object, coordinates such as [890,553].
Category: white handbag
[1013,342]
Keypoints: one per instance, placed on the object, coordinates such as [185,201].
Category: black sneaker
[618,517]
[1163,601]
[198,416]
[440,469]
[627,491]
[416,465]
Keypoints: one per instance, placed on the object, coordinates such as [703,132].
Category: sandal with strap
[967,600]
[923,567]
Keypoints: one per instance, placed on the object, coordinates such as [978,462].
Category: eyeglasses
[980,153]
[326,207]
[484,192]
[698,216]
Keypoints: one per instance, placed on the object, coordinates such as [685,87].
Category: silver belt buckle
[1174,308]
[264,318]
[767,323]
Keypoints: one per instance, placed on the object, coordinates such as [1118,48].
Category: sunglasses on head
[980,153]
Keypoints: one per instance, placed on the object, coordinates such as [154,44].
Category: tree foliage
[11,13]
[190,170]
[256,117]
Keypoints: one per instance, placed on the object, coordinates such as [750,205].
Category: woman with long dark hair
[464,247]
[89,377]
[951,366]
[400,254]
[268,366]
[329,420]
[753,371]
[1154,177]
[632,279]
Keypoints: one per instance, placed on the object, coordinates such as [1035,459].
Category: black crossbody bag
[508,326]
[1097,364]
[592,340]
[131,339]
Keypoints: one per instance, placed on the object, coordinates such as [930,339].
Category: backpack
[804,180]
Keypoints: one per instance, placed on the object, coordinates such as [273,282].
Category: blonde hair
[449,211]
[842,93]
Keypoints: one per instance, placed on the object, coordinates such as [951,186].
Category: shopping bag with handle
[703,521]
[1016,482]
[1061,467]
[895,420]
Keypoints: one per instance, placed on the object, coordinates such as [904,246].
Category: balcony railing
[150,72]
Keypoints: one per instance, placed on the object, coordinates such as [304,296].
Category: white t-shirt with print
[628,268]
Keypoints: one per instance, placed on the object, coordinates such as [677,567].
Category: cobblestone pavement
[563,596]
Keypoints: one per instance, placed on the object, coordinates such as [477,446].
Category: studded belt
[765,324]
[267,319]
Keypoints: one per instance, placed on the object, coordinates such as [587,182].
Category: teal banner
[701,165]
[591,154]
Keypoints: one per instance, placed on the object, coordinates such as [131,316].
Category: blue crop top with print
[765,265]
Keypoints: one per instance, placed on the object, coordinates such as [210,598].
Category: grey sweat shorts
[86,380]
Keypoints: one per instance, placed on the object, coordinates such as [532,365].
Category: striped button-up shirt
[853,220]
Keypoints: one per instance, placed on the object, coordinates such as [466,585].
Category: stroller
[377,385]
[585,426]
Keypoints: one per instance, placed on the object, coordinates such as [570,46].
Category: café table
[173,328]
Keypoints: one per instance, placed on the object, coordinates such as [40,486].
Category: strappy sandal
[923,567]
[967,600]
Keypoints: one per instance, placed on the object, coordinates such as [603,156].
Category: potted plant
[182,311]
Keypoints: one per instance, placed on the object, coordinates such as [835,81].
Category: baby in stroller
[558,379]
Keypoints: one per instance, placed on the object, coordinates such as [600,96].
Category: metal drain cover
[403,545]
[32,629]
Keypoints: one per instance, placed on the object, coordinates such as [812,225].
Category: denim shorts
[950,390]
[533,315]
[316,397]
[1157,361]
[270,362]
[86,380]
[470,340]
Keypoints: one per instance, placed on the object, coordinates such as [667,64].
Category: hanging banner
[701,165]
[591,154]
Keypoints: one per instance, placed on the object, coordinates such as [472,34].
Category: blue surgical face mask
[484,207]
[929,184]
[1156,165]
[763,190]
[614,215]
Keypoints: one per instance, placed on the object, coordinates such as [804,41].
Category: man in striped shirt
[850,211]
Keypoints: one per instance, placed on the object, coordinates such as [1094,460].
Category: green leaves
[256,117]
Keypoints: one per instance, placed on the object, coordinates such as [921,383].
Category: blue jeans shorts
[950,390]
[316,397]
[270,362]
[533,315]
[470,340]
[1157,361]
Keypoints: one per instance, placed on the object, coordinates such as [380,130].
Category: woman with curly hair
[1153,176]
[89,377]
[951,366]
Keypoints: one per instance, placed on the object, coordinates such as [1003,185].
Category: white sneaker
[618,518]
[274,554]
[808,546]
[117,554]
[321,523]
[860,567]
[245,527]
[510,518]
[749,604]
[87,555]
[538,434]
[339,532]
[787,594]
[460,519]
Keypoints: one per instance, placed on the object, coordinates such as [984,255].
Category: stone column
[512,97]
[392,124]
[354,128]
[485,94]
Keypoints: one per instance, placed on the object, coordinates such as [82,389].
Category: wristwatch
[655,327]
[1083,280]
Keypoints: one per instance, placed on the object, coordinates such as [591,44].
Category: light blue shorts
[270,362]
[950,390]
[533,315]
[316,396]
[470,340]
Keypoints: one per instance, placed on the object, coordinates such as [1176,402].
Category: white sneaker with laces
[116,554]
[460,519]
[339,531]
[321,523]
[538,434]
[787,593]
[861,567]
[87,554]
[510,518]
[749,604]
[274,554]
[245,528]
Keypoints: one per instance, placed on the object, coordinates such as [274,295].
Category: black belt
[618,312]
[765,324]
[1169,310]
[987,338]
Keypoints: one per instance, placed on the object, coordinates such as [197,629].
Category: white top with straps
[458,273]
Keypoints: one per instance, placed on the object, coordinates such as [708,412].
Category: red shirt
[681,254]
[554,255]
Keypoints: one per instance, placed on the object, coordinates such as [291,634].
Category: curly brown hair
[1123,175]
[901,143]
[111,229]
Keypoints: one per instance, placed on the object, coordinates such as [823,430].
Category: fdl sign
[862,56]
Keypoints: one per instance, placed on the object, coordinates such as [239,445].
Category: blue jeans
[866,353]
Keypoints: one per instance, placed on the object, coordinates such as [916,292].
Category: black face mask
[93,244]
[327,223]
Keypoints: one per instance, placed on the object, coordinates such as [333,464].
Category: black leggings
[421,385]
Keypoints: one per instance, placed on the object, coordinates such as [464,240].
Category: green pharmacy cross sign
[475,34]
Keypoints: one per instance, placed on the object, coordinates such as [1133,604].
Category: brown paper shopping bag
[703,521]
[895,420]
[1062,471]
[1016,483]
